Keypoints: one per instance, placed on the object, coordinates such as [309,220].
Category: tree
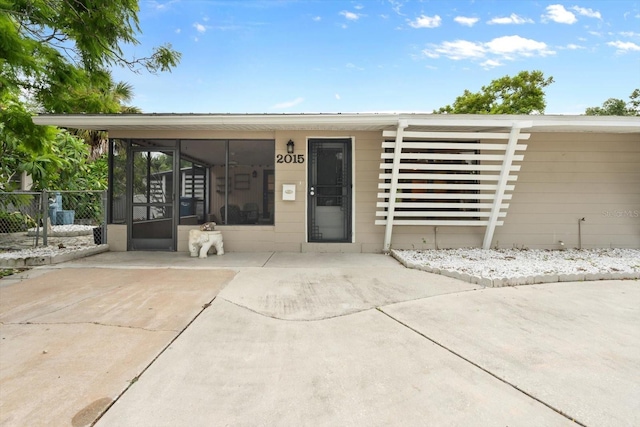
[57,53]
[522,94]
[109,97]
[618,107]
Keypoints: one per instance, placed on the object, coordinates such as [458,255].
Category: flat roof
[341,121]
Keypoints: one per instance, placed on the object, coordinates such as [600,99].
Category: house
[370,182]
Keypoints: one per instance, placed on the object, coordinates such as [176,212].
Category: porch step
[331,247]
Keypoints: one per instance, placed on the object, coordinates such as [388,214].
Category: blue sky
[283,56]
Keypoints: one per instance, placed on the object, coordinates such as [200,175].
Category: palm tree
[108,97]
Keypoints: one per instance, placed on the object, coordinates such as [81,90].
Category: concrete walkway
[310,339]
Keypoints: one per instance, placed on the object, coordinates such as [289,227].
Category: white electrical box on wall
[288,191]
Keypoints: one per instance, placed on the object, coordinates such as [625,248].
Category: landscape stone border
[517,281]
[33,261]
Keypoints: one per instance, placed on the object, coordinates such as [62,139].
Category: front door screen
[329,190]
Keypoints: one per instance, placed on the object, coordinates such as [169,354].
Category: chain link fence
[60,218]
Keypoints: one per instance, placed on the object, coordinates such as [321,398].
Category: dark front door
[329,190]
[152,199]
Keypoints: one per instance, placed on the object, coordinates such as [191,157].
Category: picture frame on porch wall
[221,184]
[242,181]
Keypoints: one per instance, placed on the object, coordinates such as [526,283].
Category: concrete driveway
[311,339]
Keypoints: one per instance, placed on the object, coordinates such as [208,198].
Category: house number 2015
[290,158]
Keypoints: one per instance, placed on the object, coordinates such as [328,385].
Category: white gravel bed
[513,263]
[42,251]
[69,230]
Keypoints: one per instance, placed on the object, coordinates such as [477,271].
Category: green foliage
[56,54]
[60,161]
[15,222]
[618,107]
[16,126]
[522,94]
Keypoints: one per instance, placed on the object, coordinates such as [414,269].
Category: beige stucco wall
[563,177]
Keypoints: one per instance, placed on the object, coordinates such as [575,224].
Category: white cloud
[317,18]
[199,28]
[557,13]
[500,49]
[350,15]
[178,31]
[624,47]
[629,34]
[572,46]
[396,5]
[287,104]
[511,19]
[162,6]
[490,63]
[589,13]
[337,95]
[456,50]
[358,7]
[424,21]
[466,21]
[509,46]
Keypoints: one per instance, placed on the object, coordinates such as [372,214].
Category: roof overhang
[353,122]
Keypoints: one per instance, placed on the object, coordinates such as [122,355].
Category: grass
[4,272]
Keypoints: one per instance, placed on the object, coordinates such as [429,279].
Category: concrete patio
[161,339]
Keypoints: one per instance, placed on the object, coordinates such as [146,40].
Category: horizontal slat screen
[445,182]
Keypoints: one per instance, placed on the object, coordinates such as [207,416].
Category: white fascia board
[589,123]
[614,124]
[294,121]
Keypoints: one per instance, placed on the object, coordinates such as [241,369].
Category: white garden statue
[201,241]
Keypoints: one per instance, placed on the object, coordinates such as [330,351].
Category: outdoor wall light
[290,146]
[254,174]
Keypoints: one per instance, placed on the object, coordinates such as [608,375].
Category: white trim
[395,170]
[427,156]
[456,145]
[438,223]
[350,122]
[418,166]
[472,136]
[449,177]
[502,186]
[444,196]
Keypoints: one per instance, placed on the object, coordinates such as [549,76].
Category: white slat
[439,205]
[443,196]
[445,214]
[452,146]
[439,166]
[453,135]
[470,187]
[448,156]
[442,223]
[447,177]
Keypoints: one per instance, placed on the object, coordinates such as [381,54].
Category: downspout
[397,150]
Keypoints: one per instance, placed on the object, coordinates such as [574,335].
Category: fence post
[105,209]
[45,216]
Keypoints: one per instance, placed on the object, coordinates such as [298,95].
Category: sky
[393,56]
